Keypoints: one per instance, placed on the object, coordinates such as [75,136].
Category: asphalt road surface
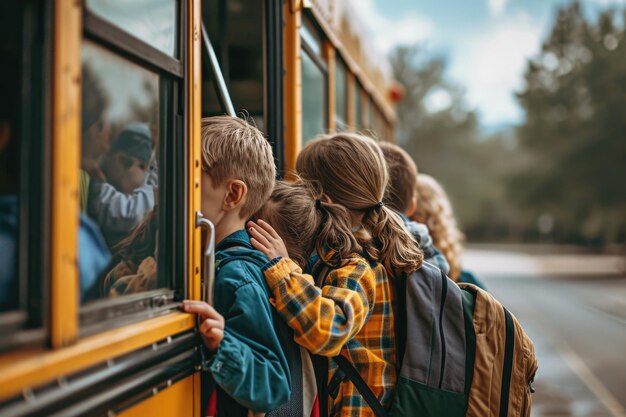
[574,308]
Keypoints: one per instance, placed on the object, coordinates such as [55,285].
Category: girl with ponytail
[357,242]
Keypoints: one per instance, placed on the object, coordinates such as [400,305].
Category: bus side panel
[177,400]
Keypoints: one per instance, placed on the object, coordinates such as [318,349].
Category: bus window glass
[358,107]
[236,33]
[311,36]
[313,99]
[341,83]
[10,81]
[118,176]
[152,21]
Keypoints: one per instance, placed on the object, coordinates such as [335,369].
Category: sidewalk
[531,260]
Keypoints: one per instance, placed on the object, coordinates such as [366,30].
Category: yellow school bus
[100,166]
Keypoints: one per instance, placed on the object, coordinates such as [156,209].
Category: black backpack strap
[509,346]
[365,391]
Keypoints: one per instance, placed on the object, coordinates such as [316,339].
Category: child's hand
[212,323]
[265,239]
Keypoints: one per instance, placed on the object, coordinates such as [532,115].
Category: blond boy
[248,364]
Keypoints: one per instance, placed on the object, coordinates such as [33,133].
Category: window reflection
[313,99]
[152,21]
[119,176]
[358,107]
[10,81]
[341,83]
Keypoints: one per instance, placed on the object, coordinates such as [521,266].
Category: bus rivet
[169,382]
[155,346]
[169,339]
[155,391]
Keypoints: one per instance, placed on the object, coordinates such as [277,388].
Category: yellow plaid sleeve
[323,319]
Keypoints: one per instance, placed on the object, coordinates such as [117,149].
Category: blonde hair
[402,177]
[352,172]
[435,211]
[307,223]
[234,149]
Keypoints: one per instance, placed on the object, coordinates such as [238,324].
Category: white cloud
[387,33]
[608,2]
[491,65]
[496,7]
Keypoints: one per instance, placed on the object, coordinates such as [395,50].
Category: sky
[486,42]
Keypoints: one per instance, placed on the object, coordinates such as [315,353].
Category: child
[434,209]
[119,203]
[350,312]
[135,260]
[400,196]
[248,363]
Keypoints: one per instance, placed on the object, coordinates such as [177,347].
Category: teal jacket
[250,365]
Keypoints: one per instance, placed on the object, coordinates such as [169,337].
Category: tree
[446,143]
[575,105]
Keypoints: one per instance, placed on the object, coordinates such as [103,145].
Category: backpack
[300,368]
[460,353]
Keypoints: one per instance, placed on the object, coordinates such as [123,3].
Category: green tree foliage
[575,128]
[446,143]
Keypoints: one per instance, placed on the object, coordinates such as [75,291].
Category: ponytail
[391,243]
[351,170]
[335,233]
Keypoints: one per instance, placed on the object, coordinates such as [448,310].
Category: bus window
[311,37]
[341,93]
[119,176]
[358,106]
[23,175]
[10,46]
[313,99]
[314,83]
[152,21]
[236,33]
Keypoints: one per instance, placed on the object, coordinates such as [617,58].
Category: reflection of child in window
[119,204]
[135,260]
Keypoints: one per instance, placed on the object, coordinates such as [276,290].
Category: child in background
[434,209]
[400,196]
[248,363]
[120,203]
[350,311]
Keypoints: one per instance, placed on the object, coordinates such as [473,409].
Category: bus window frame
[106,313]
[28,326]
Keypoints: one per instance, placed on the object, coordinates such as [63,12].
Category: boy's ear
[236,192]
[412,207]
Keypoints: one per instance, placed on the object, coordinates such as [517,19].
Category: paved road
[576,314]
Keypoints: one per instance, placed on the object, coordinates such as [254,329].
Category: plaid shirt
[351,314]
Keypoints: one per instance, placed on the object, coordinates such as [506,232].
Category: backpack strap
[509,346]
[365,391]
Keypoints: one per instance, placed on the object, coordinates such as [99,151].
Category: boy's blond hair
[234,149]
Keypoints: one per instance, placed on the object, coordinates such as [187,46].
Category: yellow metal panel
[194,85]
[293,85]
[329,55]
[174,401]
[65,174]
[42,367]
